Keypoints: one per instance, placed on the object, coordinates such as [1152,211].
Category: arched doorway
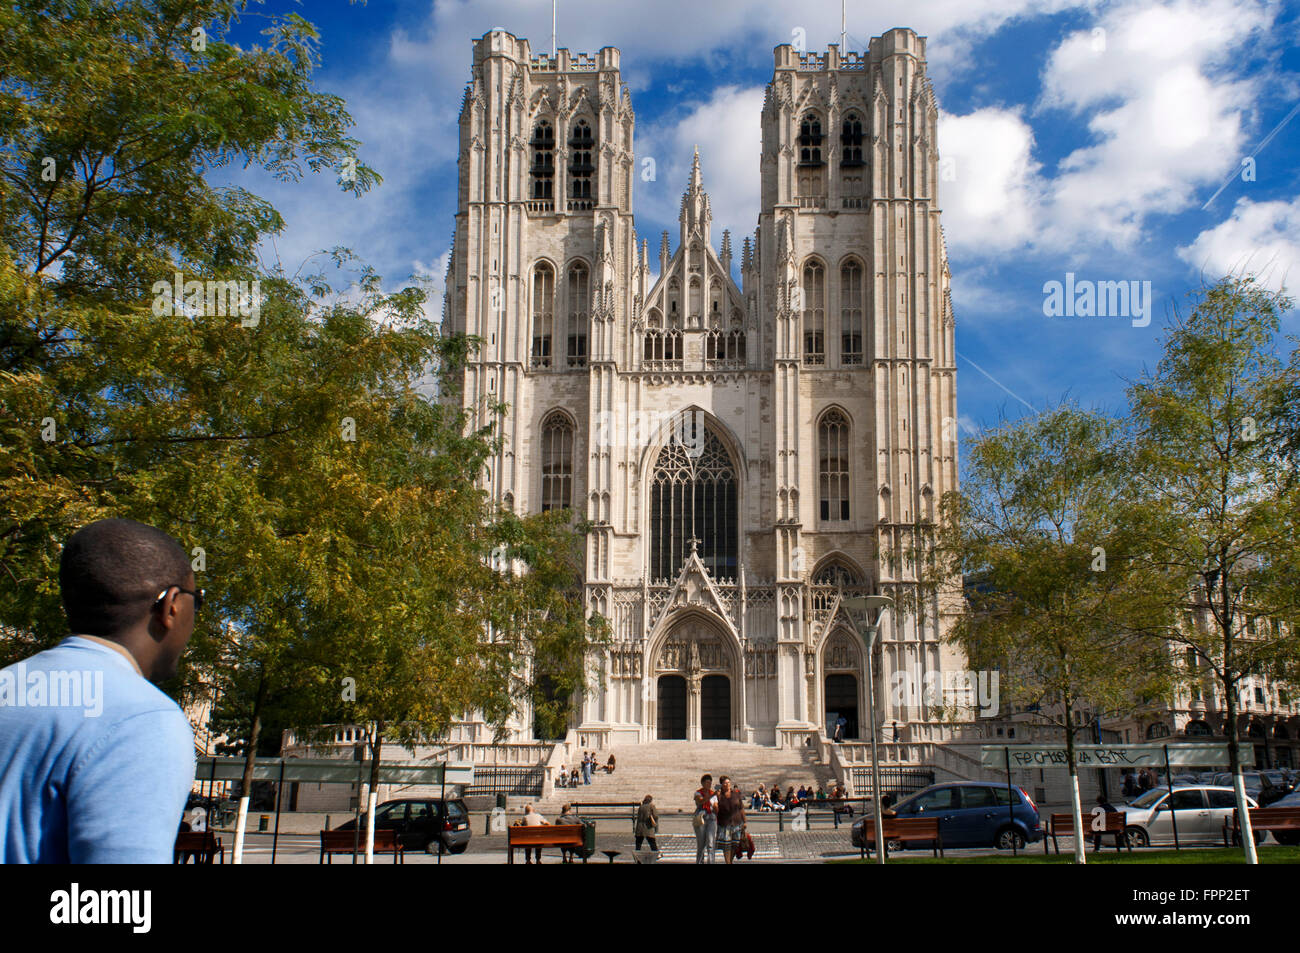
[697,672]
[842,702]
[715,707]
[842,685]
[672,708]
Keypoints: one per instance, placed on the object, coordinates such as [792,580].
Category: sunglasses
[198,595]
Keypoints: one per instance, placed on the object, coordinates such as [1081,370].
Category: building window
[725,348]
[851,142]
[814,314]
[579,309]
[543,314]
[833,466]
[582,171]
[810,140]
[543,168]
[557,462]
[851,313]
[693,504]
[662,346]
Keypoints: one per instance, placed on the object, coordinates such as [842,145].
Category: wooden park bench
[203,846]
[546,835]
[1062,825]
[1261,819]
[347,842]
[904,830]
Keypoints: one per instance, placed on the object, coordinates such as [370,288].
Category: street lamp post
[865,612]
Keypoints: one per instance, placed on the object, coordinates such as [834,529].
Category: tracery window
[557,462]
[543,314]
[694,502]
[814,313]
[833,466]
[543,167]
[582,170]
[851,313]
[579,308]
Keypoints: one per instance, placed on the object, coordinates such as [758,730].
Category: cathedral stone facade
[750,439]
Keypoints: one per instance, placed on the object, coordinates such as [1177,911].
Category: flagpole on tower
[843,31]
[553,49]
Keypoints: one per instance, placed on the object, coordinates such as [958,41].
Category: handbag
[749,845]
[697,821]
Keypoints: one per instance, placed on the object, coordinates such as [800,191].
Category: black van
[422,824]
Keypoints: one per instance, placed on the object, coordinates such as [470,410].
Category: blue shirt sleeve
[126,795]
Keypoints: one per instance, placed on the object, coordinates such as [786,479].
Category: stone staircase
[670,770]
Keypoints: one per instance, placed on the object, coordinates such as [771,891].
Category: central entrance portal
[696,669]
[715,707]
[672,708]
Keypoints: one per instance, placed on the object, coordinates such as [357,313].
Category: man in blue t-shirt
[97,761]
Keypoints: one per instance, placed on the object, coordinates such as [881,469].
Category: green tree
[1055,601]
[1218,491]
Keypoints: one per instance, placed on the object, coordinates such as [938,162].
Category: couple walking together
[719,820]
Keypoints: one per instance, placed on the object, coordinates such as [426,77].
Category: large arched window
[543,314]
[833,466]
[579,306]
[693,503]
[557,462]
[814,313]
[582,170]
[543,168]
[829,580]
[851,313]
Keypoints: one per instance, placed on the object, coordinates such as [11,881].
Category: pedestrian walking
[103,781]
[647,823]
[730,819]
[705,821]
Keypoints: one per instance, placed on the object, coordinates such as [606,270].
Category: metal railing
[495,779]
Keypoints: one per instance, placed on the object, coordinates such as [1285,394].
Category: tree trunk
[1234,759]
[250,759]
[1076,807]
[372,798]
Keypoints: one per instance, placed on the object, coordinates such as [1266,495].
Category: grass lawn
[1271,854]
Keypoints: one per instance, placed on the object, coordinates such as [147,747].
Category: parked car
[1264,786]
[972,814]
[426,824]
[1198,810]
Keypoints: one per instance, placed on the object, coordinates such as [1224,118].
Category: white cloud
[990,184]
[727,129]
[1260,237]
[1158,90]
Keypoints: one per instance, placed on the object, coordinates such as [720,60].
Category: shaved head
[112,572]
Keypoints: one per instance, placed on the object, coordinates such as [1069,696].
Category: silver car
[1199,811]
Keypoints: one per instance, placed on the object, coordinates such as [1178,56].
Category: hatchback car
[1199,812]
[422,824]
[972,814]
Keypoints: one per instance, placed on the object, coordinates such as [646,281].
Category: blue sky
[1078,137]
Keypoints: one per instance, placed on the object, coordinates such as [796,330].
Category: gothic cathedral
[751,443]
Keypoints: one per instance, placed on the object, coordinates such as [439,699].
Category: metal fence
[898,782]
[515,781]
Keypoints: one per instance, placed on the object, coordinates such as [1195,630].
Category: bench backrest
[545,834]
[344,840]
[904,827]
[1282,816]
[196,840]
[1063,824]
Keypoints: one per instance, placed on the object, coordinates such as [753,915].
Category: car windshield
[1149,799]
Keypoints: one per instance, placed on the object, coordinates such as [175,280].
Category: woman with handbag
[731,820]
[647,823]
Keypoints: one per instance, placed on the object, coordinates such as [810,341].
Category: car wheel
[1137,837]
[1010,839]
[434,846]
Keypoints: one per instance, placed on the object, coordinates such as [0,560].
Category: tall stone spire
[696,214]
